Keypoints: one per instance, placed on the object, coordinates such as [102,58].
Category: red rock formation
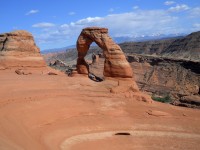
[116,67]
[19,49]
[115,64]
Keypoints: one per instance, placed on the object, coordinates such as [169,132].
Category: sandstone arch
[115,64]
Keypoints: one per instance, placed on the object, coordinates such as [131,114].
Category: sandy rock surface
[39,111]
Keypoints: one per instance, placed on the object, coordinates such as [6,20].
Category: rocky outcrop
[57,63]
[192,101]
[179,79]
[19,49]
[21,41]
[115,64]
[187,47]
[164,75]
[154,47]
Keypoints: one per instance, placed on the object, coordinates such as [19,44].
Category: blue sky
[58,23]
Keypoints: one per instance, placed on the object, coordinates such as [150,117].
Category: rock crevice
[3,41]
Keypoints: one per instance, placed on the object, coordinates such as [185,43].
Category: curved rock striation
[18,48]
[115,64]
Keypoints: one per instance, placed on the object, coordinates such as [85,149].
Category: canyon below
[43,108]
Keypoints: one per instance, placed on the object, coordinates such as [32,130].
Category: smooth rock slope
[42,112]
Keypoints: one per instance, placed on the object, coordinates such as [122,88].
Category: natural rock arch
[115,64]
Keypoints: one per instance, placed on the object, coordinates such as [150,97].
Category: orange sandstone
[115,64]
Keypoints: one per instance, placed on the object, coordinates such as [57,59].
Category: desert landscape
[100,75]
[158,69]
[43,108]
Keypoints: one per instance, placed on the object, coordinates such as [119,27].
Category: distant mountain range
[53,50]
[121,39]
[143,38]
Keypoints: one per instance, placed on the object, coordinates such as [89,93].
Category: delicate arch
[115,64]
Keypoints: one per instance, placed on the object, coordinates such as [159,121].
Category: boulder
[192,99]
[22,72]
[52,73]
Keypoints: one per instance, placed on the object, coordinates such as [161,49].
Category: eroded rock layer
[115,64]
[19,49]
[179,79]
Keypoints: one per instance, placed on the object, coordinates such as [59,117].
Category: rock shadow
[94,77]
[122,133]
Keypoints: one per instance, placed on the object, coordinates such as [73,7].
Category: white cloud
[32,12]
[64,26]
[88,20]
[43,25]
[141,22]
[132,24]
[126,24]
[71,13]
[196,25]
[135,7]
[195,12]
[179,8]
[169,3]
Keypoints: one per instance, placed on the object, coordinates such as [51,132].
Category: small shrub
[165,99]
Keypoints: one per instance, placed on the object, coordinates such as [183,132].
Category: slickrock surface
[46,112]
[115,64]
[18,48]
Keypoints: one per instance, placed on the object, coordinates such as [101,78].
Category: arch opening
[96,67]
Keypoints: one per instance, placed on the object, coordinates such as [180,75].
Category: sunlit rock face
[115,64]
[18,48]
